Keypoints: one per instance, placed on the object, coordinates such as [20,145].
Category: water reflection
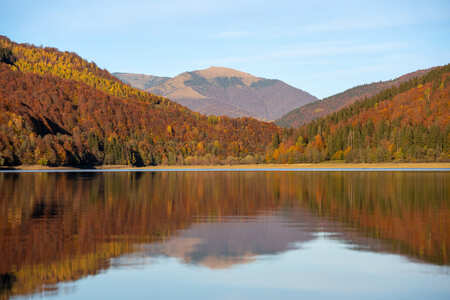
[62,227]
[232,241]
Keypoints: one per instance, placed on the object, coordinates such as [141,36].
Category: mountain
[407,122]
[141,81]
[222,91]
[58,109]
[326,106]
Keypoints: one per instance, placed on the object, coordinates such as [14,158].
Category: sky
[322,47]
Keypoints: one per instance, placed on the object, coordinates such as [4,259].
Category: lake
[225,235]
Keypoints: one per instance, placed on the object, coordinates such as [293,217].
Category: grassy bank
[327,165]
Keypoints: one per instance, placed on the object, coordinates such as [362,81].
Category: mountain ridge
[140,81]
[409,122]
[59,109]
[334,103]
[225,91]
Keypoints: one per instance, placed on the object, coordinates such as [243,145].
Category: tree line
[58,109]
[408,122]
[52,121]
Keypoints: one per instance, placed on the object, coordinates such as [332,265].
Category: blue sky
[323,48]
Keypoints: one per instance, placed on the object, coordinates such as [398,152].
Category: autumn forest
[57,109]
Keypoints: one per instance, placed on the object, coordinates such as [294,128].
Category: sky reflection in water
[226,235]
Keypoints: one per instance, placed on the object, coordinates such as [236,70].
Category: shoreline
[252,167]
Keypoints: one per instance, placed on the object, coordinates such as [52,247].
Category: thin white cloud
[108,15]
[369,23]
[354,24]
[232,34]
[308,51]
[350,25]
[350,72]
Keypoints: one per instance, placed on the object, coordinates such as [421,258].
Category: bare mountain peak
[225,91]
[213,72]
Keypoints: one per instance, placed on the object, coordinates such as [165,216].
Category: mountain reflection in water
[62,227]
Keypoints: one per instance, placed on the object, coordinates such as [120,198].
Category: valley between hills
[59,110]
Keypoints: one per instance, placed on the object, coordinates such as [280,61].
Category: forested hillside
[57,109]
[405,123]
[68,65]
[329,105]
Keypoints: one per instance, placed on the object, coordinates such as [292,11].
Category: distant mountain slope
[223,91]
[58,109]
[321,108]
[409,122]
[141,81]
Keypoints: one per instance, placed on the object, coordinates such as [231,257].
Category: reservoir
[225,235]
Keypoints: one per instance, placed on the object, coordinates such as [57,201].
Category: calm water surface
[225,235]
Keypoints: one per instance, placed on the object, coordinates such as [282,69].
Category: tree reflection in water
[62,227]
